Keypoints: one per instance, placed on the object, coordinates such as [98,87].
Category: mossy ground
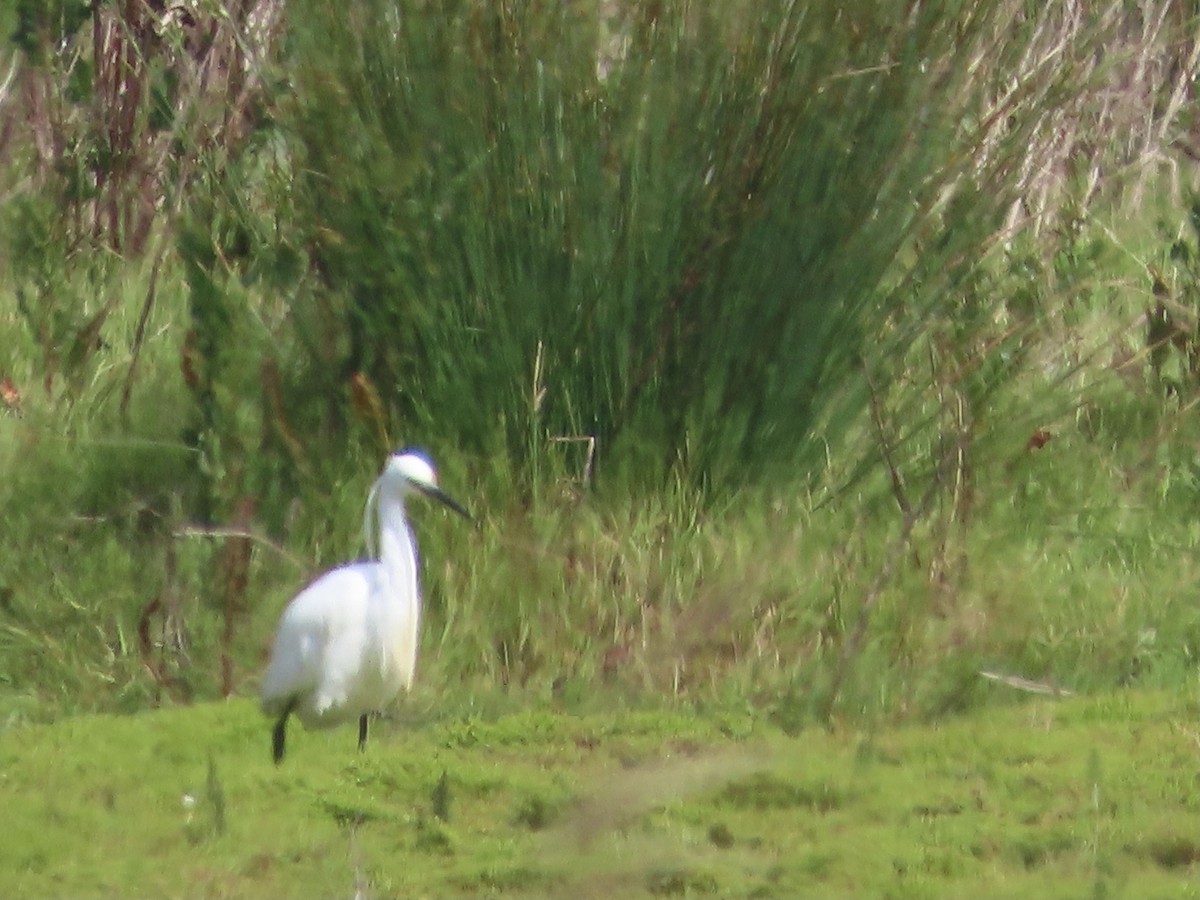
[1094,797]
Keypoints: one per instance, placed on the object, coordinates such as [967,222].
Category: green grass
[1089,797]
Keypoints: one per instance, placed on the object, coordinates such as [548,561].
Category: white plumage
[347,644]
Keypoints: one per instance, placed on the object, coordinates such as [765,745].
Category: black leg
[277,739]
[279,735]
[362,732]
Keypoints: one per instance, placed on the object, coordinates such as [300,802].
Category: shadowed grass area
[1095,797]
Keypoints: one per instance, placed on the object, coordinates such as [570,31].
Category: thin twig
[886,572]
[885,447]
[164,242]
[589,459]
[200,531]
[1025,684]
[139,334]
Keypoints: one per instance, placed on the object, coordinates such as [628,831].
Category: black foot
[362,732]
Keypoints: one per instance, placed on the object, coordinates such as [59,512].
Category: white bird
[347,644]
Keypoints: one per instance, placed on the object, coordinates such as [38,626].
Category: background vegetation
[823,365]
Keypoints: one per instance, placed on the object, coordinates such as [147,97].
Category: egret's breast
[387,664]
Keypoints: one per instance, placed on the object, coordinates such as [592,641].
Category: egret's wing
[322,618]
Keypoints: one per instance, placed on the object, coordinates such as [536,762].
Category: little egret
[347,643]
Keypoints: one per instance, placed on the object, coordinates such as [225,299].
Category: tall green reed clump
[665,229]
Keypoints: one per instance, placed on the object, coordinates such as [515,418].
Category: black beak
[441,496]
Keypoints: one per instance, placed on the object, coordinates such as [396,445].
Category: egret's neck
[398,552]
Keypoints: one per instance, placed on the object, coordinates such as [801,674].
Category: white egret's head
[411,470]
[413,467]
